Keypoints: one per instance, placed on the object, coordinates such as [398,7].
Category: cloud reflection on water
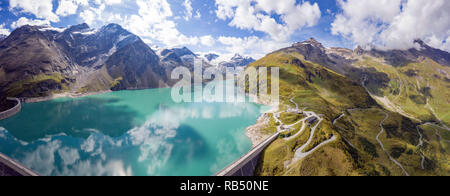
[147,147]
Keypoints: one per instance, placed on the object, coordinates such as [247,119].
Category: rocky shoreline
[254,132]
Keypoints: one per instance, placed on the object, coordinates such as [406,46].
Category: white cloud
[198,15]
[88,16]
[89,144]
[3,133]
[189,10]
[42,9]
[257,15]
[96,168]
[149,146]
[43,158]
[154,22]
[157,10]
[445,45]
[25,21]
[250,46]
[70,7]
[207,40]
[94,14]
[112,2]
[66,7]
[394,24]
[4,31]
[69,155]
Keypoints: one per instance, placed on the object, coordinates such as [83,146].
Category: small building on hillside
[311,120]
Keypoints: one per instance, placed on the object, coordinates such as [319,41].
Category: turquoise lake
[141,133]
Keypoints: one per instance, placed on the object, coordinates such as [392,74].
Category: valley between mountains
[360,112]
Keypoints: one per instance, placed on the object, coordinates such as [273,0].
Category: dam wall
[13,111]
[9,167]
[246,165]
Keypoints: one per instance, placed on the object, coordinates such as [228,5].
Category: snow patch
[122,37]
[89,32]
[52,29]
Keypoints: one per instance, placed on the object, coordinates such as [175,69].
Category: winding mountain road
[382,146]
[441,127]
[437,133]
[295,103]
[339,127]
[299,152]
[382,131]
[341,116]
[422,161]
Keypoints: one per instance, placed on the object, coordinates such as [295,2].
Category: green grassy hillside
[38,86]
[356,150]
[418,90]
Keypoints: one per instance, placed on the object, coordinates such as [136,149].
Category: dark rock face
[242,61]
[211,57]
[315,52]
[395,57]
[138,66]
[183,51]
[27,52]
[79,27]
[340,60]
[441,57]
[312,42]
[170,56]
[178,52]
[75,54]
[237,61]
[2,37]
[90,47]
[403,57]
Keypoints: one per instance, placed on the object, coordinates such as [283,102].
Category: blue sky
[249,27]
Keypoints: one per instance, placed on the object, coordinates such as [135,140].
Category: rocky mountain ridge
[377,113]
[39,61]
[2,37]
